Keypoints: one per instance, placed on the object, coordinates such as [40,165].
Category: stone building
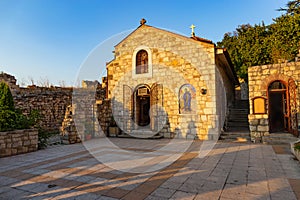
[274,99]
[165,84]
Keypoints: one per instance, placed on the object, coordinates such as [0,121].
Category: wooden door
[277,111]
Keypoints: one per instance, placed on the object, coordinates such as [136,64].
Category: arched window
[141,62]
[276,85]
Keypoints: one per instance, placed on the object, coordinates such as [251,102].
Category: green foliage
[7,119]
[292,7]
[261,44]
[11,118]
[8,115]
[44,135]
[22,121]
[6,98]
[285,37]
[34,118]
[297,146]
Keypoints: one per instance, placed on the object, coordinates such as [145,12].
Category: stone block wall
[104,114]
[89,115]
[68,129]
[57,109]
[260,78]
[176,60]
[18,142]
[51,103]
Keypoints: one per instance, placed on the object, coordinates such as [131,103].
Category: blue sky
[51,39]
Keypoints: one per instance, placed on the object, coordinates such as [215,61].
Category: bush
[297,146]
[44,135]
[6,98]
[7,109]
[7,119]
[11,118]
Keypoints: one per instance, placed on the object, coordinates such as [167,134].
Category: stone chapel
[163,84]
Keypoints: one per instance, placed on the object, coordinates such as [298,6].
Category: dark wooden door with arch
[283,107]
[278,107]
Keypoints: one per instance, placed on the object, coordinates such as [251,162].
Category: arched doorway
[142,106]
[278,107]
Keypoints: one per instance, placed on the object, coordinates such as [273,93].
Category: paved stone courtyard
[229,171]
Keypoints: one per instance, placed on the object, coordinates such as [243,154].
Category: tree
[292,7]
[285,37]
[260,44]
[7,108]
[6,98]
[247,46]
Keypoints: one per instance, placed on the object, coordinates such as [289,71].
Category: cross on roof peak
[193,29]
[143,21]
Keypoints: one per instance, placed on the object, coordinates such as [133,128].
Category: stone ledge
[20,143]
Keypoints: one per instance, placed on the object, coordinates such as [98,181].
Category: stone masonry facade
[260,78]
[175,60]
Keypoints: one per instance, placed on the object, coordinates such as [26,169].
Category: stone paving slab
[229,171]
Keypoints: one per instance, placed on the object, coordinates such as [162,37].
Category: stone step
[272,142]
[280,135]
[230,129]
[237,119]
[239,109]
[235,139]
[237,133]
[236,136]
[139,137]
[238,112]
[143,134]
[281,138]
[242,109]
[242,104]
[238,139]
[238,115]
[238,124]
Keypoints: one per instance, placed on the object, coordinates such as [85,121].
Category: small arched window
[141,62]
[276,85]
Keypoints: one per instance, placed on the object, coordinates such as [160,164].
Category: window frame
[143,75]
